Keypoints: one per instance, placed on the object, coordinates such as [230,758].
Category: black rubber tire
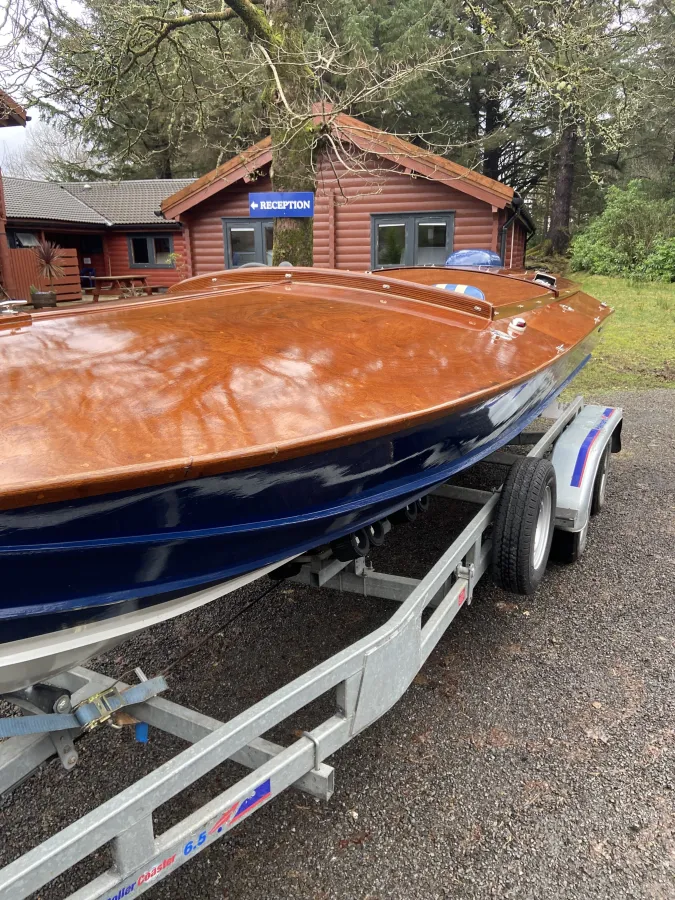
[598,496]
[407,514]
[568,546]
[515,526]
[376,533]
[424,503]
[352,546]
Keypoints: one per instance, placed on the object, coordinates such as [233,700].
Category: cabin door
[248,241]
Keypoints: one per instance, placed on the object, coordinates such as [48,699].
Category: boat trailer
[367,679]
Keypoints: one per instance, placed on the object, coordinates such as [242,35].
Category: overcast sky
[12,139]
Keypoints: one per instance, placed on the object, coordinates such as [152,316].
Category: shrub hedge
[633,237]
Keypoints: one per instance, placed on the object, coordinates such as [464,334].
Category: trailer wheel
[523,530]
[600,483]
[568,546]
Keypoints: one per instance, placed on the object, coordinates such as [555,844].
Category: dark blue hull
[69,563]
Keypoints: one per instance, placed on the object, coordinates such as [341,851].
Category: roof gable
[422,162]
[242,165]
[369,140]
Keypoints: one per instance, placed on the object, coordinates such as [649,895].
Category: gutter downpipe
[520,213]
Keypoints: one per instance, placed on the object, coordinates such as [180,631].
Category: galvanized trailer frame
[367,677]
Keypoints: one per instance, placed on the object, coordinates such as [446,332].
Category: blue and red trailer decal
[585,449]
[234,813]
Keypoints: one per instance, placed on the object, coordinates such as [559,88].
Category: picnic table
[124,285]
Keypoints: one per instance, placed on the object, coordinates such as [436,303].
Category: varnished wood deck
[131,394]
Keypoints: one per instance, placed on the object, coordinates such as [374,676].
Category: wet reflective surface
[172,390]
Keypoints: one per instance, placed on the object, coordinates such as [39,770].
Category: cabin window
[152,251]
[411,239]
[19,239]
[248,241]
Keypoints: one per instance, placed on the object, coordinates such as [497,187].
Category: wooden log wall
[345,200]
[117,258]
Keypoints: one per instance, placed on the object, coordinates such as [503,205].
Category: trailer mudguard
[576,457]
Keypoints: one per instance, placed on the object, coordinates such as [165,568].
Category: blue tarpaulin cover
[474,258]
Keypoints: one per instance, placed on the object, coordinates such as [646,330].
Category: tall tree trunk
[473,131]
[167,171]
[292,170]
[163,166]
[292,143]
[475,81]
[549,193]
[492,156]
[158,151]
[559,229]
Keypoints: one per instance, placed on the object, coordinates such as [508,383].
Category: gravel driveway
[533,757]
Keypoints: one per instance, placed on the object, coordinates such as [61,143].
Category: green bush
[660,264]
[632,229]
[591,253]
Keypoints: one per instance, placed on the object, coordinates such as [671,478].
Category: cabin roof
[368,139]
[128,202]
[102,203]
[421,161]
[27,199]
[243,165]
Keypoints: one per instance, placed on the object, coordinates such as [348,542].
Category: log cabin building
[114,228]
[380,201]
[106,228]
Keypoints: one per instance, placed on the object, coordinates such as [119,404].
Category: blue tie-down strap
[91,712]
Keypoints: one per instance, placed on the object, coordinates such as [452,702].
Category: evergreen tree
[559,99]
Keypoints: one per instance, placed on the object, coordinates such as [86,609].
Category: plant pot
[43,299]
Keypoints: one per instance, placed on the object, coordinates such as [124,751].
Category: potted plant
[49,259]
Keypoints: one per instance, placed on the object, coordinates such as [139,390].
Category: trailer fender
[576,457]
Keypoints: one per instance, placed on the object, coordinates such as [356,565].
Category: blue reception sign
[276,205]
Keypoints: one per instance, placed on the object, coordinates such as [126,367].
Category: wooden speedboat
[157,453]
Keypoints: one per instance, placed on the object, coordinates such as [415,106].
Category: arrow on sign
[254,205]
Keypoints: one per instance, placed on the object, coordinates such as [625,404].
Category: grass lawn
[637,349]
